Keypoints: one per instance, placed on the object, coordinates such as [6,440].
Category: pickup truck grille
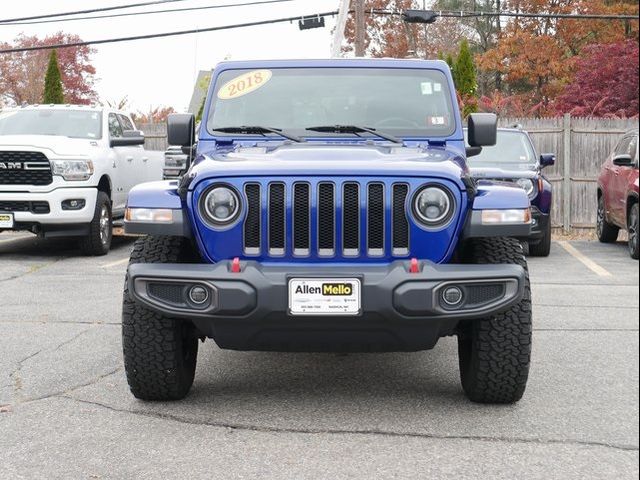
[38,207]
[24,168]
[326,219]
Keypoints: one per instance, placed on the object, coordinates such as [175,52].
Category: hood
[54,144]
[501,174]
[331,160]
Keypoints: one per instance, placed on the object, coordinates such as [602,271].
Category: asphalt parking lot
[66,412]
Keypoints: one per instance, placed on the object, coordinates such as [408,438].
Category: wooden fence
[581,145]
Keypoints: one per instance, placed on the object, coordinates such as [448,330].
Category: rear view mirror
[482,129]
[130,138]
[623,160]
[547,159]
[473,151]
[181,130]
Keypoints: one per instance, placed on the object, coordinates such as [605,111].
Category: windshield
[400,102]
[512,151]
[66,123]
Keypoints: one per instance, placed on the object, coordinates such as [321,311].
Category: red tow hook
[235,265]
[414,266]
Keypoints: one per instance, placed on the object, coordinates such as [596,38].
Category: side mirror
[473,151]
[547,160]
[181,130]
[130,138]
[623,160]
[482,129]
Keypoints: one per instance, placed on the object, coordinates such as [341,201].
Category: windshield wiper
[259,130]
[355,129]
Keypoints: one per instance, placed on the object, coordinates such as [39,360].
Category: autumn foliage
[22,73]
[526,66]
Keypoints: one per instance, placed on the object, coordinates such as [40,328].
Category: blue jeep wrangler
[328,207]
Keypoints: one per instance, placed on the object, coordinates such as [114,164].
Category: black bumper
[539,225]
[400,310]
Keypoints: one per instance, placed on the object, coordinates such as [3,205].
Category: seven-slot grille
[349,219]
[24,168]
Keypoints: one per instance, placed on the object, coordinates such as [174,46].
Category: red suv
[618,193]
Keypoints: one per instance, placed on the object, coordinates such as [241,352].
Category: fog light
[198,295]
[73,204]
[452,296]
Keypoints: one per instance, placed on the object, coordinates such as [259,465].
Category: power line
[165,34]
[92,10]
[477,13]
[148,12]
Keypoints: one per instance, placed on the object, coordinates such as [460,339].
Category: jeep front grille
[349,219]
[24,168]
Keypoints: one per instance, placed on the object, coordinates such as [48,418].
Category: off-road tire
[160,353]
[98,242]
[606,232]
[543,247]
[632,230]
[495,352]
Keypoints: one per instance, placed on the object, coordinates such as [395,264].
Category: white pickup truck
[66,171]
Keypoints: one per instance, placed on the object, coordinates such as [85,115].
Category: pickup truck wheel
[495,352]
[98,242]
[160,353]
[632,229]
[543,247]
[606,232]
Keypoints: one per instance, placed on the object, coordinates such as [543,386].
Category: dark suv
[618,193]
[513,159]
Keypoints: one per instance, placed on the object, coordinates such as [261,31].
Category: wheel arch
[105,185]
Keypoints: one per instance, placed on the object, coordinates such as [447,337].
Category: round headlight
[221,205]
[433,206]
[526,184]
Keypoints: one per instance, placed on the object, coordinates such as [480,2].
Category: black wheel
[160,353]
[98,242]
[495,352]
[632,229]
[606,232]
[543,247]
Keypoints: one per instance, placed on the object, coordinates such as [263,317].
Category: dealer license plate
[324,296]
[6,220]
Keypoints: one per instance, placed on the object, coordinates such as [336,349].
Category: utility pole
[360,28]
[338,33]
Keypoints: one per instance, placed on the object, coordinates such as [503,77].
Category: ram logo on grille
[10,166]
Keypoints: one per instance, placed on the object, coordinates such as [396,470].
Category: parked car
[618,193]
[514,159]
[65,171]
[326,212]
[175,163]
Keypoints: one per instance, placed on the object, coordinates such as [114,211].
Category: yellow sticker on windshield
[243,84]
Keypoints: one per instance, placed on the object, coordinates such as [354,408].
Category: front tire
[98,242]
[495,352]
[160,353]
[606,232]
[632,229]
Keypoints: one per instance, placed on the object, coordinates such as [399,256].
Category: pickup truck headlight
[433,206]
[527,185]
[72,170]
[220,205]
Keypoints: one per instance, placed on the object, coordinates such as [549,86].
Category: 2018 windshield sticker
[243,84]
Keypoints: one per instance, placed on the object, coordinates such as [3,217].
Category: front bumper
[400,310]
[56,215]
[539,225]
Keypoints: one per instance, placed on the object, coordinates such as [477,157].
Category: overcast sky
[162,71]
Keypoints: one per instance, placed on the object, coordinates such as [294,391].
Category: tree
[53,92]
[21,77]
[154,115]
[466,80]
[605,82]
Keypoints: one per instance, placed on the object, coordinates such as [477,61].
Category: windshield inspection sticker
[426,88]
[243,84]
